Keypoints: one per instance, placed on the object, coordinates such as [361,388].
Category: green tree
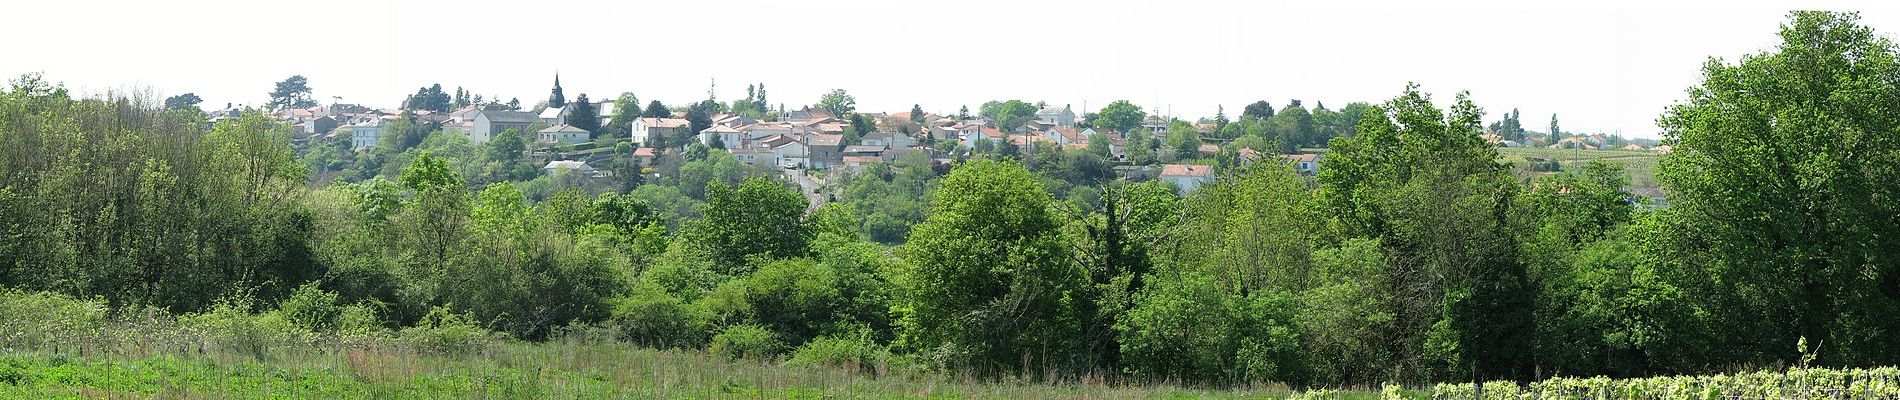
[1293,126]
[1099,146]
[1781,193]
[1120,116]
[433,225]
[987,281]
[504,158]
[585,116]
[917,113]
[760,103]
[838,102]
[717,167]
[626,109]
[760,217]
[430,98]
[293,92]
[798,298]
[183,101]
[1259,110]
[1422,182]
[1510,127]
[1116,247]
[1555,132]
[1008,114]
[1237,282]
[1141,148]
[656,110]
[698,117]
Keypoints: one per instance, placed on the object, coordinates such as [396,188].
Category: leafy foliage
[987,283]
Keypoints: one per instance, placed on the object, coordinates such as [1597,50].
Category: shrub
[856,353]
[311,308]
[683,271]
[795,297]
[358,321]
[445,332]
[230,325]
[724,306]
[651,317]
[746,341]
[46,319]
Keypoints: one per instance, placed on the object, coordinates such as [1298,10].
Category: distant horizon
[1602,68]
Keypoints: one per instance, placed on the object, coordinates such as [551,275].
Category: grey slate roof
[511,116]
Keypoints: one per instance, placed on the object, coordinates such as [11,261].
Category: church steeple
[557,100]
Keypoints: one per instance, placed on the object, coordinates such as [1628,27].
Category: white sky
[1606,66]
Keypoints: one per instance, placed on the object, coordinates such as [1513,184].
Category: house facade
[731,137]
[563,134]
[490,123]
[1187,177]
[366,134]
[1304,164]
[787,150]
[824,150]
[756,156]
[889,140]
[1057,116]
[646,130]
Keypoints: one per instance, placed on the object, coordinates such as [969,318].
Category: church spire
[557,100]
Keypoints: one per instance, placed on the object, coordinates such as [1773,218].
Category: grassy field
[593,370]
[565,370]
[1640,165]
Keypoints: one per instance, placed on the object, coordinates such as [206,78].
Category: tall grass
[54,346]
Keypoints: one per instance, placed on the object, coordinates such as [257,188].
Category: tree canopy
[292,92]
[1120,116]
[838,102]
[1781,192]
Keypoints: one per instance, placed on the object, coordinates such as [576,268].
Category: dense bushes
[853,352]
[116,198]
[47,319]
[652,317]
[746,341]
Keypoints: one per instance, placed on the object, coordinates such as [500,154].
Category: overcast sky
[1606,66]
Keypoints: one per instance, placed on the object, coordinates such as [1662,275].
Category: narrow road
[808,186]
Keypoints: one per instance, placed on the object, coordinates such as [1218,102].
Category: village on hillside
[588,137]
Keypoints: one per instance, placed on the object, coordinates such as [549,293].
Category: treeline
[1414,256]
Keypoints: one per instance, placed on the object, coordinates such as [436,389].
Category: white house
[889,140]
[465,114]
[1304,164]
[647,129]
[364,135]
[965,132]
[732,138]
[562,134]
[756,156]
[1187,177]
[1063,117]
[787,150]
[489,123]
[763,130]
[1065,136]
[969,139]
